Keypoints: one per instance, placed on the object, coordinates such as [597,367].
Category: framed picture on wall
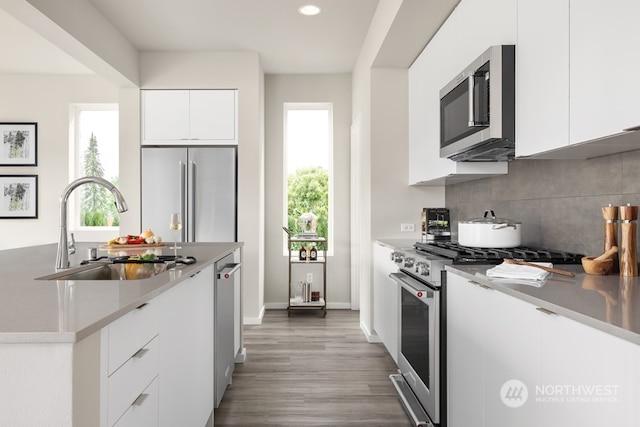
[19,144]
[18,196]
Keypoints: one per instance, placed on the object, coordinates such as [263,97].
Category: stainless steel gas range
[421,378]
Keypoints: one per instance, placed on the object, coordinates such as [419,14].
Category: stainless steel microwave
[477,109]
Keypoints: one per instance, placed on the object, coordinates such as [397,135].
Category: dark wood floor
[306,370]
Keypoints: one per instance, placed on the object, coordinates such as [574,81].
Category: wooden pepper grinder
[628,255]
[610,216]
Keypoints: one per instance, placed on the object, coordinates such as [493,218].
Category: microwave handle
[472,116]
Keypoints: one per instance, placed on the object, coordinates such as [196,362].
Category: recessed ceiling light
[309,10]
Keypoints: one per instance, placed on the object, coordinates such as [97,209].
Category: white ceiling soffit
[288,42]
[414,26]
[23,51]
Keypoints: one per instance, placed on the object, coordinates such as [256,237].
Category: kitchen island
[69,349]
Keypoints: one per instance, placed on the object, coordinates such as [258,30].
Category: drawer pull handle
[140,399]
[545,311]
[140,353]
[141,306]
[473,282]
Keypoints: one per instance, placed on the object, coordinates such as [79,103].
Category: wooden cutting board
[140,245]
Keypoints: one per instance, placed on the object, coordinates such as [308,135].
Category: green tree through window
[308,190]
[97,206]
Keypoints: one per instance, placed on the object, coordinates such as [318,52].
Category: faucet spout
[62,257]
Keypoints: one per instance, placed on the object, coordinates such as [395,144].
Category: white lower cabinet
[509,364]
[186,351]
[385,299]
[157,360]
[588,377]
[144,410]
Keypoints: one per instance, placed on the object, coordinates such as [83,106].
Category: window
[94,152]
[308,183]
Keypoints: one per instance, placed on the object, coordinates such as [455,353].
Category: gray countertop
[40,311]
[608,303]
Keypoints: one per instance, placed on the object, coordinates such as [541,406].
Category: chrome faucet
[62,258]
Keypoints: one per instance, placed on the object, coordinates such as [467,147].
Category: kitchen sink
[124,271]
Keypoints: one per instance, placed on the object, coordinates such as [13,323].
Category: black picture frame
[18,196]
[19,144]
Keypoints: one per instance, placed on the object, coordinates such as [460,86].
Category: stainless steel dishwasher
[225,295]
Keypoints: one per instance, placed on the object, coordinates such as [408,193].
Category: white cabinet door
[492,339]
[511,358]
[431,71]
[186,351]
[213,115]
[542,79]
[385,299]
[605,58]
[588,377]
[165,115]
[483,23]
[189,117]
[465,335]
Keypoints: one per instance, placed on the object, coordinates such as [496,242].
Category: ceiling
[288,43]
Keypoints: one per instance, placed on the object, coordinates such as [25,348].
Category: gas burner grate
[468,255]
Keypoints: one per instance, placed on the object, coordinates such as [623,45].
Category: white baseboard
[241,356]
[330,306]
[254,320]
[372,338]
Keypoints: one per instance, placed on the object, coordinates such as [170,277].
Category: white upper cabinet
[483,23]
[189,116]
[542,80]
[576,62]
[604,64]
[434,68]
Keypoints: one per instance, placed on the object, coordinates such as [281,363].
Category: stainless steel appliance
[436,224]
[477,109]
[420,381]
[226,298]
[459,254]
[197,182]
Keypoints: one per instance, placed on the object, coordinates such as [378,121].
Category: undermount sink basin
[124,271]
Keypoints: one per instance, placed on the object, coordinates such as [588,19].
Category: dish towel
[515,271]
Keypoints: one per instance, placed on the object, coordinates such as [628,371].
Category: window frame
[288,106]
[84,233]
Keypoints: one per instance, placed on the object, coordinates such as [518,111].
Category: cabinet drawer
[144,411]
[130,333]
[127,383]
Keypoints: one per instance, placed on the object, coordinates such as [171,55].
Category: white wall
[380,159]
[230,70]
[279,89]
[45,99]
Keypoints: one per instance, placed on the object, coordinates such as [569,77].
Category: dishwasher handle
[228,270]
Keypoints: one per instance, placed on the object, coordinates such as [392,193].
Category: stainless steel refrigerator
[197,182]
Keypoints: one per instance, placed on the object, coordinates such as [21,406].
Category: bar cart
[301,297]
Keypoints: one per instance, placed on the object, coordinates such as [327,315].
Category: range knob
[408,262]
[422,268]
[397,257]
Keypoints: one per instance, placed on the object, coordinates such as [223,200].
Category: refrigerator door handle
[183,195]
[192,202]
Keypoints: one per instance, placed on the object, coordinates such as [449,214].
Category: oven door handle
[405,281]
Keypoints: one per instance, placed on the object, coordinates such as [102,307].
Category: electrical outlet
[309,277]
[407,227]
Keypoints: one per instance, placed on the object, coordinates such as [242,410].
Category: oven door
[418,359]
